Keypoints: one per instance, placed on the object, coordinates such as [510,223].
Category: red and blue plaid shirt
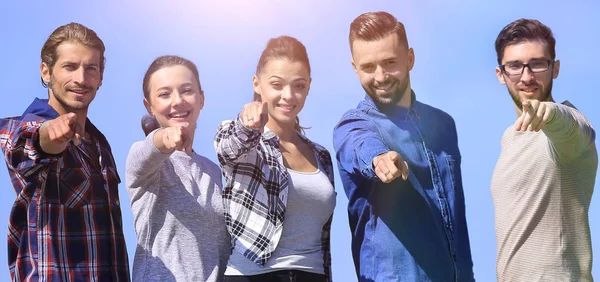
[65,224]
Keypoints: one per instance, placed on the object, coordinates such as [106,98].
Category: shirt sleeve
[569,132]
[357,142]
[143,162]
[233,141]
[19,140]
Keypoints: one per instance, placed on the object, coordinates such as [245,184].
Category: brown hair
[149,122]
[524,30]
[72,32]
[168,61]
[283,47]
[374,26]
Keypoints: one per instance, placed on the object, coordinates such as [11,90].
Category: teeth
[384,87]
[178,115]
[286,107]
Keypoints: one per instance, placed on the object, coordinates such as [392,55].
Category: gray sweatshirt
[178,212]
[542,187]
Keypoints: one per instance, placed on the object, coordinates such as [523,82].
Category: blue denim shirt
[412,230]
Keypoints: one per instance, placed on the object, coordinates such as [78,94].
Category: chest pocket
[74,188]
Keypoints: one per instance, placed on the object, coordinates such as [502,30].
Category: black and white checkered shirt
[256,189]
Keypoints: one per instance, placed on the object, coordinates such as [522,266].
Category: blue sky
[454,71]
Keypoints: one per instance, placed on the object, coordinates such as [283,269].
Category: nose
[380,74]
[527,76]
[79,75]
[177,99]
[286,92]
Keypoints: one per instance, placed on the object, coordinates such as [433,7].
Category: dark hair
[524,30]
[149,123]
[374,26]
[72,32]
[283,47]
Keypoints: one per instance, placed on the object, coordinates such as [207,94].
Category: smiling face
[175,97]
[74,78]
[528,85]
[383,69]
[284,85]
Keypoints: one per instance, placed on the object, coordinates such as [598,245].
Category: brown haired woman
[279,195]
[175,193]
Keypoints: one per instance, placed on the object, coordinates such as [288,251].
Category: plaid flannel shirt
[65,224]
[256,189]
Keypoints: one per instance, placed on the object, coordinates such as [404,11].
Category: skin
[383,68]
[72,85]
[175,100]
[283,86]
[531,92]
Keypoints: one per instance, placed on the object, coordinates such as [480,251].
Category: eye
[187,91]
[69,67]
[390,62]
[514,66]
[277,85]
[92,68]
[163,94]
[368,68]
[300,86]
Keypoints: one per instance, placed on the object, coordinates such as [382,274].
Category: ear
[555,69]
[411,59]
[45,72]
[201,100]
[500,76]
[149,107]
[256,84]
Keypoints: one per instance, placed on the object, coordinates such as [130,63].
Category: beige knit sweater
[541,188]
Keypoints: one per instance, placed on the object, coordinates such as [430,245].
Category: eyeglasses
[517,68]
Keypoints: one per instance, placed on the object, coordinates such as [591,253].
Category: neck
[61,110]
[285,131]
[406,99]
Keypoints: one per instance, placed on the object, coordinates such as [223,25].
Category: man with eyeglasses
[544,178]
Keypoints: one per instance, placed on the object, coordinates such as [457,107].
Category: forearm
[144,160]
[234,140]
[356,145]
[569,132]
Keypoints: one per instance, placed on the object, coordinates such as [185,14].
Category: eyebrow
[382,60]
[531,60]
[164,88]
[295,80]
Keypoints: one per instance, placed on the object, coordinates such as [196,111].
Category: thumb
[79,133]
[394,157]
[526,105]
[71,118]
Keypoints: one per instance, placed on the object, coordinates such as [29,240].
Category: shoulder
[208,166]
[435,113]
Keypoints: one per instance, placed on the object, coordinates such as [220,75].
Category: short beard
[59,98]
[546,96]
[396,96]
